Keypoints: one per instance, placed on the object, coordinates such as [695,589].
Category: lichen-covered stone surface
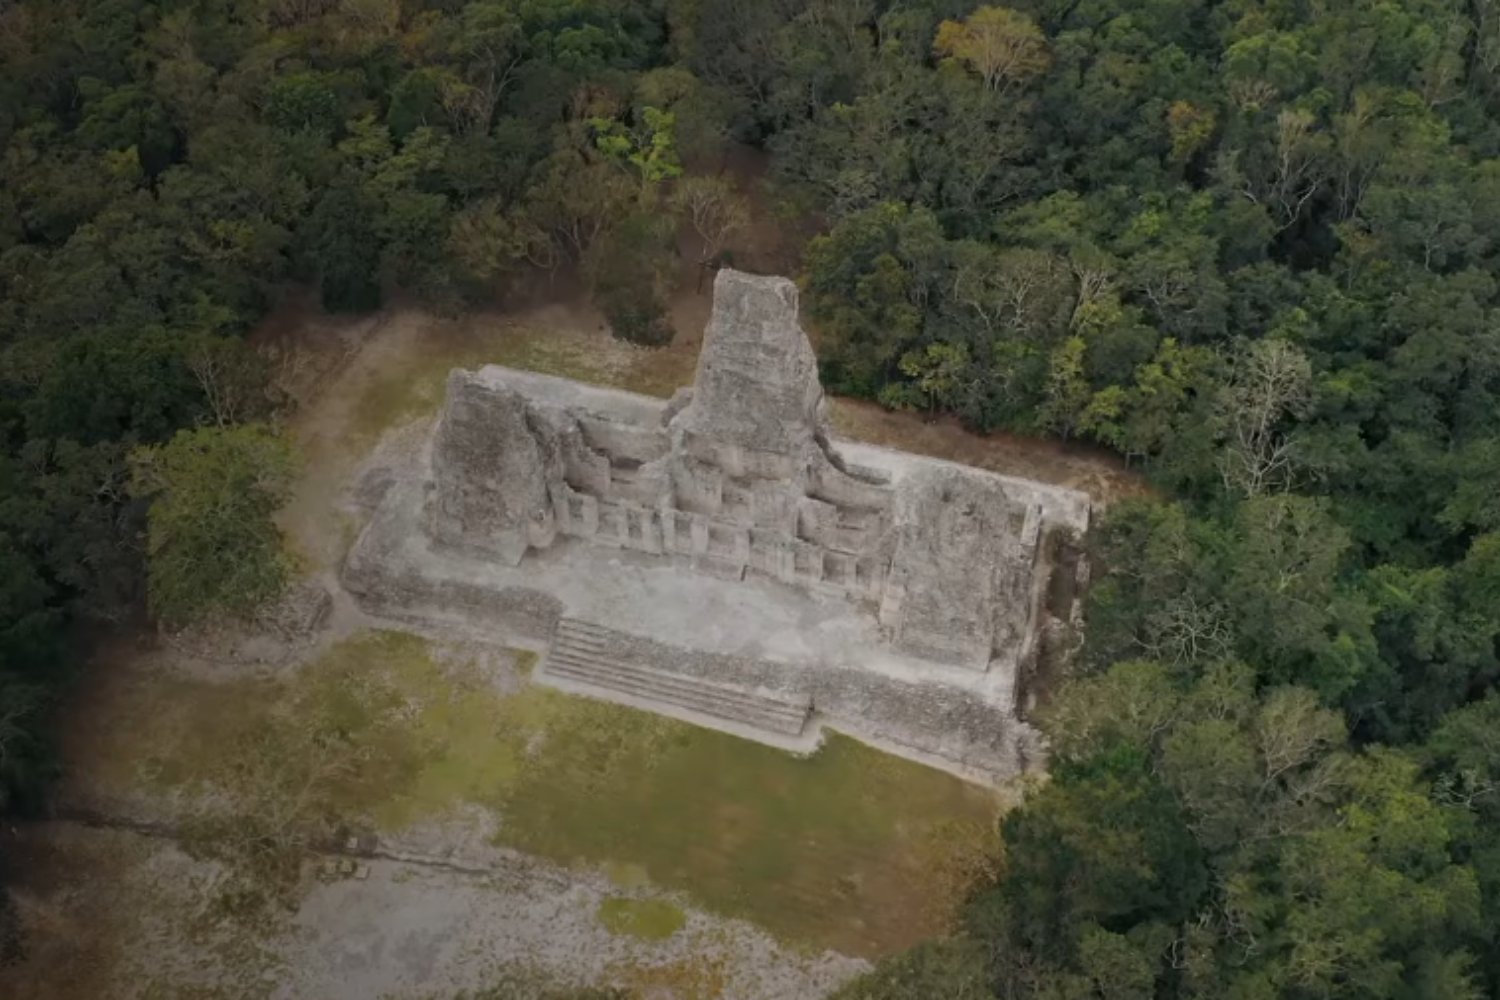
[956,534]
[757,387]
[489,476]
[727,536]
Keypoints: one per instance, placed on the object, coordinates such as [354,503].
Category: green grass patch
[377,729]
[849,848]
[648,919]
[626,875]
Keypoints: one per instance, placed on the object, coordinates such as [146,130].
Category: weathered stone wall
[489,473]
[953,531]
[388,583]
[756,391]
[949,724]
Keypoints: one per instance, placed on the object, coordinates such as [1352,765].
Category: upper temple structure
[721,557]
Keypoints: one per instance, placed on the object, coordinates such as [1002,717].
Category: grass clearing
[647,919]
[849,848]
[842,849]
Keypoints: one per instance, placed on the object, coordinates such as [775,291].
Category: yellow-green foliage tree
[1003,46]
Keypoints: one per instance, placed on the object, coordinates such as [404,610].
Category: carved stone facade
[736,481]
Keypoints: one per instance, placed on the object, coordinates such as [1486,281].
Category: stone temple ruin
[720,557]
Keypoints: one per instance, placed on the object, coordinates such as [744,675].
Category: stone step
[581,640]
[573,626]
[719,565]
[580,654]
[593,654]
[598,641]
[768,712]
[651,695]
[700,702]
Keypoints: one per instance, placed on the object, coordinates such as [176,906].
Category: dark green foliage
[634,313]
[128,117]
[1191,815]
[26,761]
[304,102]
[212,545]
[1104,844]
[165,168]
[346,251]
[66,550]
[101,387]
[628,268]
[416,101]
[867,283]
[953,969]
[1251,254]
[1463,755]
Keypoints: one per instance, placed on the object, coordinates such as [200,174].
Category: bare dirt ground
[121,914]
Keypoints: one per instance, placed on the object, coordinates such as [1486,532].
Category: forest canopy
[1249,246]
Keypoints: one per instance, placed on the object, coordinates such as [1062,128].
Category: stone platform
[752,634]
[723,558]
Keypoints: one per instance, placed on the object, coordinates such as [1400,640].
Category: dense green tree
[700,112]
[305,102]
[627,268]
[212,545]
[1463,758]
[1262,892]
[345,249]
[867,284]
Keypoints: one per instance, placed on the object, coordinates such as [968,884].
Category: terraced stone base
[723,556]
[703,643]
[583,655]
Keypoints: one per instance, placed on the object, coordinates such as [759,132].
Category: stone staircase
[581,655]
